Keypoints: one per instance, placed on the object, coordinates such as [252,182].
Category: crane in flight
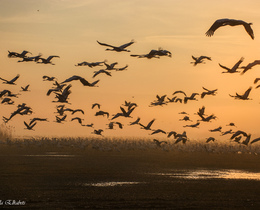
[231,22]
[82,80]
[115,48]
[200,59]
[249,66]
[244,96]
[234,68]
[12,81]
[48,60]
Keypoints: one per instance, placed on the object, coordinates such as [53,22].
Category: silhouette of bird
[102,113]
[210,139]
[231,124]
[82,80]
[29,127]
[98,132]
[227,132]
[37,119]
[47,78]
[91,64]
[231,22]
[7,93]
[216,129]
[208,92]
[8,101]
[30,59]
[193,125]
[207,119]
[158,131]
[185,118]
[12,81]
[96,105]
[154,54]
[148,126]
[234,68]
[60,119]
[246,141]
[26,88]
[123,113]
[77,119]
[17,55]
[256,80]
[48,60]
[237,133]
[117,49]
[179,91]
[249,66]
[136,122]
[63,97]
[200,59]
[192,97]
[158,143]
[244,96]
[255,140]
[101,71]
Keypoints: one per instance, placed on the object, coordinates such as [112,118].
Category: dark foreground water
[69,178]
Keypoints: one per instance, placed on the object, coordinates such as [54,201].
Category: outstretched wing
[214,27]
[104,44]
[249,30]
[75,77]
[126,45]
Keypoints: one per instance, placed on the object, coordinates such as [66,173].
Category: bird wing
[224,67]
[215,26]
[126,45]
[249,30]
[179,91]
[255,140]
[52,56]
[104,44]
[246,94]
[238,63]
[150,123]
[75,77]
[14,79]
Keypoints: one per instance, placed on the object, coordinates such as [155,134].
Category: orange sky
[70,29]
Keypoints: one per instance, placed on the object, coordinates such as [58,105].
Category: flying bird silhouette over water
[231,22]
[117,49]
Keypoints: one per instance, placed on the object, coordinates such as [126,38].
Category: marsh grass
[122,144]
[5,132]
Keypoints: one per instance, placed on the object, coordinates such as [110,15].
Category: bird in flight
[117,49]
[10,82]
[48,60]
[249,66]
[244,96]
[234,68]
[231,22]
[82,80]
[200,59]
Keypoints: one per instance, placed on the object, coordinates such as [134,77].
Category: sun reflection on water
[212,174]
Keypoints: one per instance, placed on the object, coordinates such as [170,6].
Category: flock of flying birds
[62,91]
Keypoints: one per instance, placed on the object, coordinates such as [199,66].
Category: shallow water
[110,184]
[212,174]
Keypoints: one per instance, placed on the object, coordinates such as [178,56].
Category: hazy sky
[69,29]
